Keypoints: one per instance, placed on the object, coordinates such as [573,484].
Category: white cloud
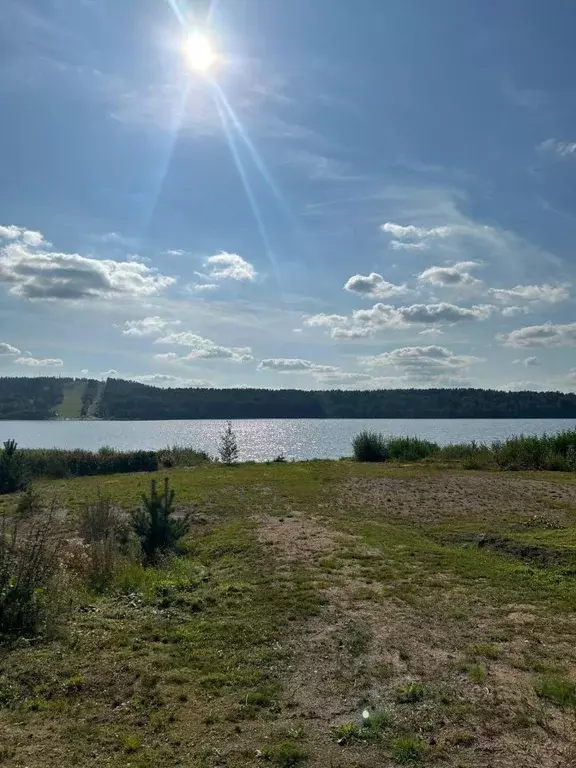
[27,236]
[455,276]
[373,286]
[547,335]
[175,252]
[294,365]
[109,374]
[430,360]
[342,378]
[514,311]
[203,349]
[411,232]
[38,274]
[366,322]
[148,326]
[527,361]
[397,245]
[324,321]
[200,287]
[166,378]
[557,147]
[84,372]
[230,266]
[550,294]
[39,361]
[431,332]
[8,349]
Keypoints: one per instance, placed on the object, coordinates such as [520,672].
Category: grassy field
[325,614]
[71,403]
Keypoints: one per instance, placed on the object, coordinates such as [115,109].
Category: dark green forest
[128,400]
[31,398]
[39,398]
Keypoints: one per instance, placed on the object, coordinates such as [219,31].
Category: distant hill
[46,397]
[49,398]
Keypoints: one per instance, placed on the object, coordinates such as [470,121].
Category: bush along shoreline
[552,453]
[18,466]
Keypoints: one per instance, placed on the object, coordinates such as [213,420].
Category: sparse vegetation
[407,750]
[410,692]
[302,595]
[29,571]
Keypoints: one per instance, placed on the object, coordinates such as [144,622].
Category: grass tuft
[559,690]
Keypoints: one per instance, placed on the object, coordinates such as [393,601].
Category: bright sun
[199,52]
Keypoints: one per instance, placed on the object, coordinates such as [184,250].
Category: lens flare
[199,52]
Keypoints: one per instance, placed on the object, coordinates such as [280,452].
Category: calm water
[263,439]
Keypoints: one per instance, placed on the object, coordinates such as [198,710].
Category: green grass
[559,690]
[71,404]
[306,595]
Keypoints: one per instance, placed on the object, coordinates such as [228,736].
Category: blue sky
[378,193]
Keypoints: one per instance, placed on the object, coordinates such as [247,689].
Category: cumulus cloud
[39,274]
[527,361]
[457,275]
[431,360]
[294,365]
[84,372]
[202,348]
[373,286]
[8,349]
[39,362]
[109,374]
[148,326]
[27,236]
[547,335]
[230,266]
[329,376]
[550,294]
[366,322]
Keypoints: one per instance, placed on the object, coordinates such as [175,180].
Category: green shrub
[410,448]
[370,446]
[12,472]
[60,463]
[154,524]
[177,456]
[29,570]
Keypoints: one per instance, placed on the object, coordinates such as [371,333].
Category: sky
[355,194]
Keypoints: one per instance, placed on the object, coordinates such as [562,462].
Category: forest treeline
[39,398]
[128,400]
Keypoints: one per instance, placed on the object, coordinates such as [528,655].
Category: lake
[263,439]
